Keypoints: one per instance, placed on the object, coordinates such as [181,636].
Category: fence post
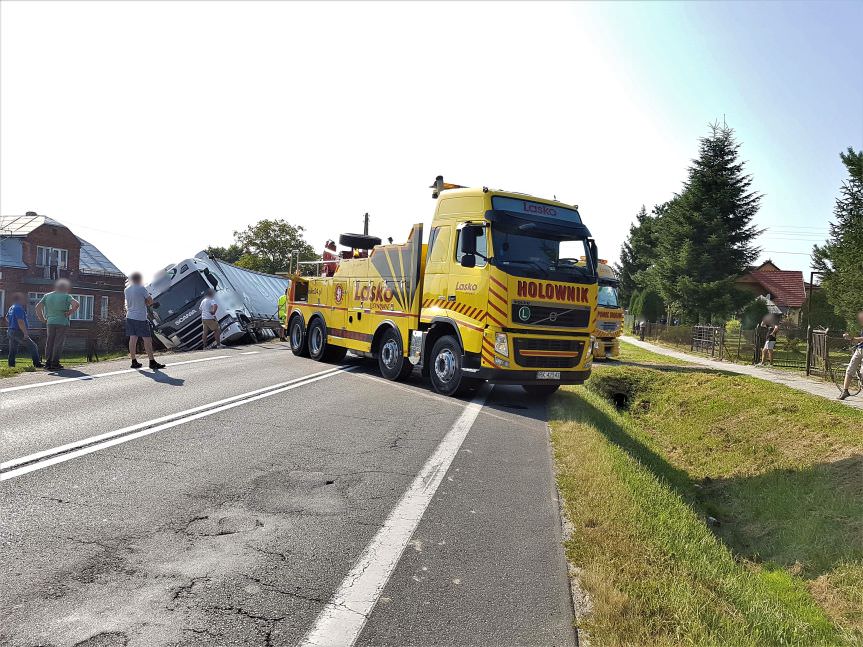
[809,350]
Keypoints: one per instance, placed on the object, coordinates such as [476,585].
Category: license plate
[548,375]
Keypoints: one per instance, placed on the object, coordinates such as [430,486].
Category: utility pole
[366,224]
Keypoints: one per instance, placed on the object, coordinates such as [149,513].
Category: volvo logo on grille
[552,316]
[524,313]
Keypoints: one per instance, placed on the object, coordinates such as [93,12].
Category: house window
[32,299]
[103,309]
[47,256]
[2,303]
[85,312]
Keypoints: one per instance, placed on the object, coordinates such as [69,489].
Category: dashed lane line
[339,624]
[63,453]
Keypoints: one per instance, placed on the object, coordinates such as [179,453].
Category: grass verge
[25,364]
[778,474]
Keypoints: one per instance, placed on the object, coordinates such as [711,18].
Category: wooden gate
[708,340]
[817,355]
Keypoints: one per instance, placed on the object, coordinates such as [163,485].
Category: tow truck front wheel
[297,337]
[445,368]
[391,360]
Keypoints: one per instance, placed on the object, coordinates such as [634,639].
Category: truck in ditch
[498,292]
[247,301]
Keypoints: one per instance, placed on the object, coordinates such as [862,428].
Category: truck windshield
[608,296]
[175,299]
[531,251]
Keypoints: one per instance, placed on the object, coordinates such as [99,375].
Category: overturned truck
[247,301]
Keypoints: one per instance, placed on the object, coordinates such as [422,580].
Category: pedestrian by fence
[813,351]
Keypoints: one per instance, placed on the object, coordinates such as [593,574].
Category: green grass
[25,365]
[780,471]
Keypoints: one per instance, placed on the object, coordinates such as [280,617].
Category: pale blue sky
[787,76]
[154,129]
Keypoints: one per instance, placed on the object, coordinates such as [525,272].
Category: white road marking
[342,620]
[67,452]
[86,378]
[250,352]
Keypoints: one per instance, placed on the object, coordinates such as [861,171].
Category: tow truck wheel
[391,360]
[297,337]
[445,366]
[317,342]
[541,390]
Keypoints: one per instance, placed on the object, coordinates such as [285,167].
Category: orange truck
[497,293]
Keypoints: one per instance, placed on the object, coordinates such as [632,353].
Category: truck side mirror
[468,260]
[469,234]
[594,256]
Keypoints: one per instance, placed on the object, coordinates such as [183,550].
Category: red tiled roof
[784,286]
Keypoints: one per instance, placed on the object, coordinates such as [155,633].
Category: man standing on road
[137,324]
[283,306]
[54,309]
[856,357]
[19,333]
[208,318]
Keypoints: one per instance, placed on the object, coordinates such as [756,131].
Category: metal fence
[809,351]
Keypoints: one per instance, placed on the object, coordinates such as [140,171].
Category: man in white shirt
[208,318]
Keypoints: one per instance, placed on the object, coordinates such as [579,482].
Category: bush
[732,327]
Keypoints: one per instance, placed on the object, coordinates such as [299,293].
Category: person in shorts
[856,357]
[137,324]
[209,322]
[772,326]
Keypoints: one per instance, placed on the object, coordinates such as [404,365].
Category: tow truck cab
[498,293]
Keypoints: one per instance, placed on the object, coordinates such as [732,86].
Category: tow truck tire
[392,363]
[445,365]
[541,390]
[317,339]
[359,241]
[297,337]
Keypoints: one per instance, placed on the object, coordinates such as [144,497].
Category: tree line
[682,258]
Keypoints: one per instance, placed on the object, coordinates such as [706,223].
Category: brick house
[36,250]
[785,289]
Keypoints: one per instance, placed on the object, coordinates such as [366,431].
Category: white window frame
[43,256]
[2,303]
[32,299]
[103,308]
[85,312]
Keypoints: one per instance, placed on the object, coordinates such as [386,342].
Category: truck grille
[540,315]
[609,326]
[543,353]
[189,333]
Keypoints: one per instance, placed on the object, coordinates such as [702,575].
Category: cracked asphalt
[236,528]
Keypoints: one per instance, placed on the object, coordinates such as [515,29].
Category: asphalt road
[248,497]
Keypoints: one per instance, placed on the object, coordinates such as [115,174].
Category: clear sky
[154,129]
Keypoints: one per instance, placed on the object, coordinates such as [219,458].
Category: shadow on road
[162,378]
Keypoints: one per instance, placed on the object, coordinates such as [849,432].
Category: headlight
[501,346]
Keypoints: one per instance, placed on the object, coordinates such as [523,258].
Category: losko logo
[552,291]
[541,209]
[524,313]
[466,287]
[340,293]
[365,292]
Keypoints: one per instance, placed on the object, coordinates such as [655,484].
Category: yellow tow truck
[497,293]
[609,315]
